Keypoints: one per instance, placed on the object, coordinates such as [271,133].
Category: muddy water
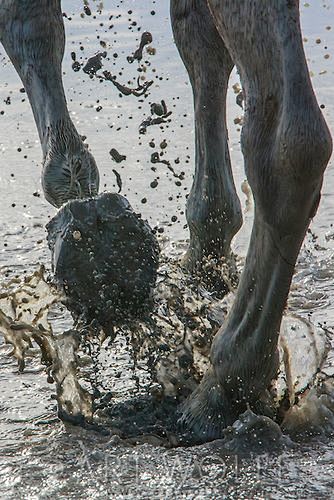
[40,457]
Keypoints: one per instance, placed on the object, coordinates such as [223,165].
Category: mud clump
[94,63]
[116,156]
[104,257]
[146,38]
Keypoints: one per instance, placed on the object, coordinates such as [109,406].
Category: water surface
[41,458]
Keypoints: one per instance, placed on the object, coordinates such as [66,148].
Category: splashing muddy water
[172,344]
[40,456]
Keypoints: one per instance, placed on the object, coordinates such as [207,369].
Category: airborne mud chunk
[104,257]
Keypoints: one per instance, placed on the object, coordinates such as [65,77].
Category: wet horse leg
[286,146]
[213,208]
[32,33]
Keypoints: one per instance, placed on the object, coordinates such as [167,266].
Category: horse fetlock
[234,357]
[68,174]
[211,231]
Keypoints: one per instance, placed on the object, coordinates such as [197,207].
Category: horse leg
[213,208]
[32,33]
[286,146]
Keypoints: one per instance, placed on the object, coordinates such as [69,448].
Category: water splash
[170,345]
[24,308]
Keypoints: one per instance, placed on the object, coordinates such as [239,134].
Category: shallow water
[40,457]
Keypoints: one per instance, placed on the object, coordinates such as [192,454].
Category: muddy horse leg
[286,146]
[32,33]
[213,208]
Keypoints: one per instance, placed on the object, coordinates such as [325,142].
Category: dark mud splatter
[105,258]
[94,63]
[118,180]
[116,156]
[146,38]
[139,91]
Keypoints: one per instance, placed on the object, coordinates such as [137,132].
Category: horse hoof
[104,257]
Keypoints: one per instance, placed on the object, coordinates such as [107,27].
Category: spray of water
[170,346]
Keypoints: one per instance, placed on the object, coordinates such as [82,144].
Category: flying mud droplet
[94,63]
[159,109]
[76,235]
[140,90]
[118,180]
[87,10]
[146,38]
[76,66]
[116,156]
[151,50]
[155,158]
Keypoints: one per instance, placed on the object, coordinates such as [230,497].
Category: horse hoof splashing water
[105,258]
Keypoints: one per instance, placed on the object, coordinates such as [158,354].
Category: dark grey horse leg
[286,145]
[213,208]
[104,256]
[32,33]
